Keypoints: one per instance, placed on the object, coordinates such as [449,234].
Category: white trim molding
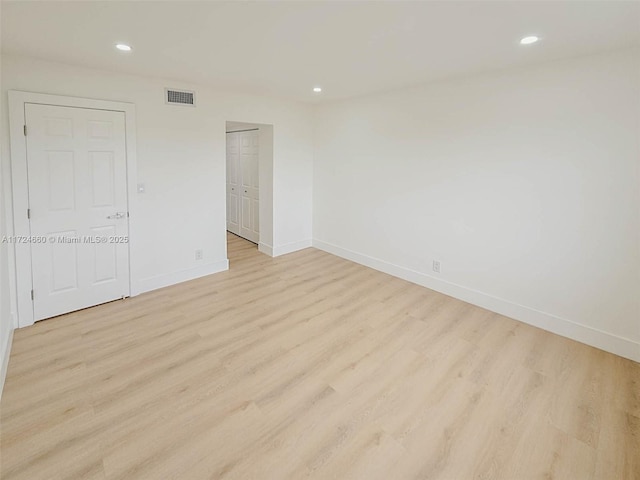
[621,346]
[168,279]
[19,181]
[290,247]
[5,353]
[266,249]
[283,249]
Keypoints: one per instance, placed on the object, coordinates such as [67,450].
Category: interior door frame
[266,155]
[21,268]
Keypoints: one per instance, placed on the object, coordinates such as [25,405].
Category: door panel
[246,214]
[104,256]
[102,168]
[77,175]
[233,199]
[249,152]
[255,219]
[61,173]
[64,264]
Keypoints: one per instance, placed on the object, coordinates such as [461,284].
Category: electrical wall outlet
[436,266]
[198,254]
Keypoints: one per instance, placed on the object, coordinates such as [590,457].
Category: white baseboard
[266,249]
[165,280]
[4,358]
[291,247]
[582,333]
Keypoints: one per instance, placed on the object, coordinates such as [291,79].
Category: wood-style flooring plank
[308,366]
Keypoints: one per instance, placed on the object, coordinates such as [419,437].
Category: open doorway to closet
[249,185]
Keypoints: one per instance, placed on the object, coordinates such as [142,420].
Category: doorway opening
[249,188]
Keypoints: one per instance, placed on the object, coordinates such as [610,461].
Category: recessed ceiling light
[317,89]
[529,40]
[124,47]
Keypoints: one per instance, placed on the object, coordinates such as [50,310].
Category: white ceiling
[286,48]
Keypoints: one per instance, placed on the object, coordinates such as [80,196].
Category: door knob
[117,215]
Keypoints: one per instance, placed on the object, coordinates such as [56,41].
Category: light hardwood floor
[310,366]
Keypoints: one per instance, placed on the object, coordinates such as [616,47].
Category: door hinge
[31,294]
[29,213]
[25,130]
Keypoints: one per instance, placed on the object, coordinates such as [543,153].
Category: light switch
[141,188]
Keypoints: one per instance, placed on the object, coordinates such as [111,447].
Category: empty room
[348,240]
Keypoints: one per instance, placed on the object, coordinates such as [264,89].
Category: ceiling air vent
[179,97]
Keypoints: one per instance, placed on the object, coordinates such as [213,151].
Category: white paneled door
[243,191]
[233,202]
[76,162]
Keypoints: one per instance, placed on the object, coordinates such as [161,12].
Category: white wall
[6,319]
[181,161]
[265,182]
[524,184]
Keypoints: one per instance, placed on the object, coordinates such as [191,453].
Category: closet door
[249,187]
[233,198]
